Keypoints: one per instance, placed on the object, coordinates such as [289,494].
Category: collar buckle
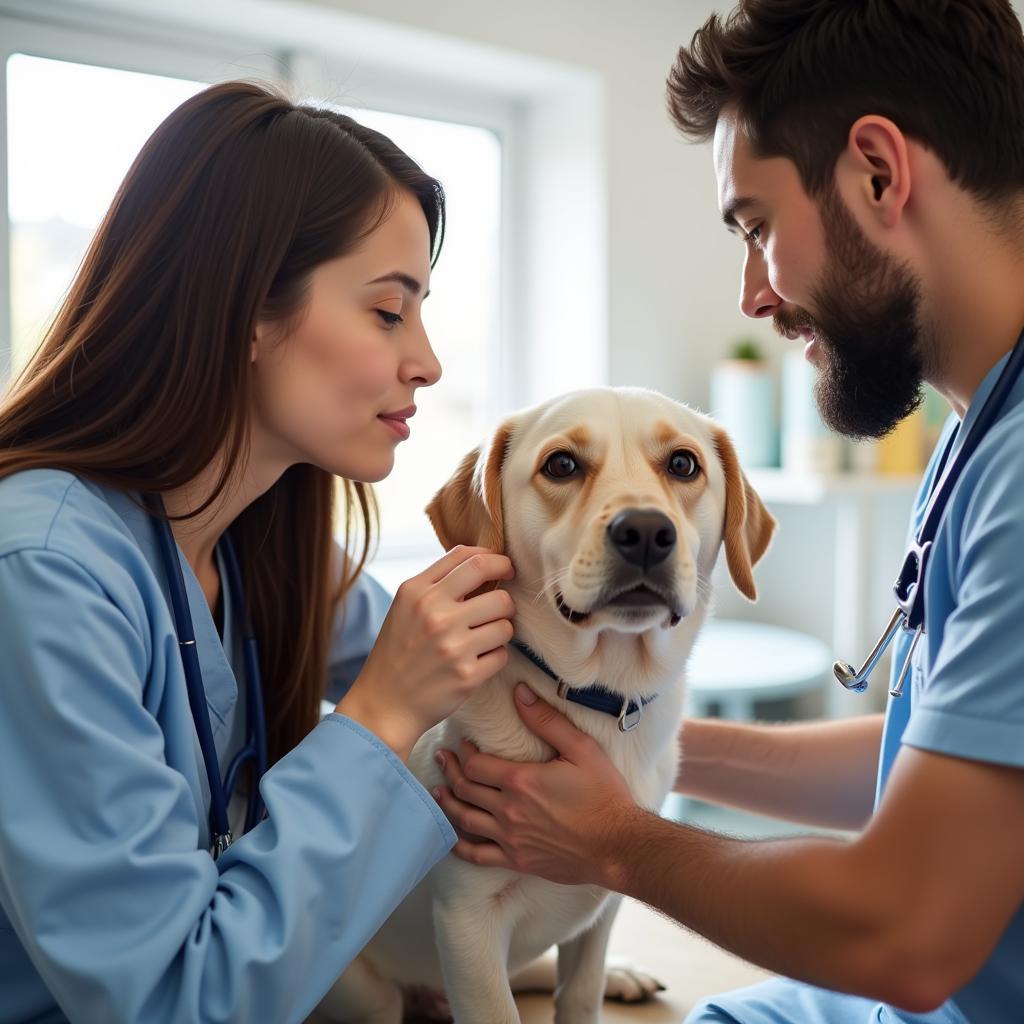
[595,696]
[629,720]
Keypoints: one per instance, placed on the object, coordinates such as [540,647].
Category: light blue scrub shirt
[111,908]
[966,699]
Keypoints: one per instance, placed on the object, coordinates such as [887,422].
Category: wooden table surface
[689,967]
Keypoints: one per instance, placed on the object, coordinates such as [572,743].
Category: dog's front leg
[581,970]
[473,941]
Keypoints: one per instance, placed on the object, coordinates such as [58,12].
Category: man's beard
[867,331]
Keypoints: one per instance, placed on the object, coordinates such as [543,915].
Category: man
[870,156]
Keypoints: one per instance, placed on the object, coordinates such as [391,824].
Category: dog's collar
[595,697]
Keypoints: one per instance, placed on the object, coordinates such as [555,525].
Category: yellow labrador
[612,504]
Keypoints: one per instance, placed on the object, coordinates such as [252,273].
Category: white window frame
[59,32]
[393,92]
[168,57]
[550,120]
[397,558]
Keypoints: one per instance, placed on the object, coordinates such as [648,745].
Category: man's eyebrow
[737,205]
[409,283]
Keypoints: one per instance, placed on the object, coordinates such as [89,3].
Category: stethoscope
[255,747]
[909,585]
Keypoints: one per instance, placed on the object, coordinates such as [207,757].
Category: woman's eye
[390,319]
[560,465]
[683,465]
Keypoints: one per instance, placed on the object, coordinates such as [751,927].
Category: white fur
[468,929]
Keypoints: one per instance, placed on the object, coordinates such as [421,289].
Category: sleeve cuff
[448,836]
[978,739]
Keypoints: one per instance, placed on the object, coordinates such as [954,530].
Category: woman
[245,327]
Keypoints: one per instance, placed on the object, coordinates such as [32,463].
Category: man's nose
[757,297]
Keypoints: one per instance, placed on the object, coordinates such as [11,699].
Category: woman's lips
[398,425]
[397,420]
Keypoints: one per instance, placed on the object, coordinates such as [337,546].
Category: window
[462,319]
[73,131]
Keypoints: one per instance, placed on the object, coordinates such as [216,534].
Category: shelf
[782,487]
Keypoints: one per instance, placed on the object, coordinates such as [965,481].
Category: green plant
[746,349]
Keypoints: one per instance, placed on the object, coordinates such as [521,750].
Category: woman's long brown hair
[143,379]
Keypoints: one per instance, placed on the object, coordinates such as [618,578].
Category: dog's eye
[683,465]
[560,465]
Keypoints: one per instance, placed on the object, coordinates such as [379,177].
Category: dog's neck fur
[609,657]
[630,665]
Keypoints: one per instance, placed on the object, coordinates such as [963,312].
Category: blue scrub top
[965,699]
[111,908]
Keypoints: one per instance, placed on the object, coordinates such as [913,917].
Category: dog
[612,504]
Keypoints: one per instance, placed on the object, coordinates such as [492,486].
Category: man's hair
[798,73]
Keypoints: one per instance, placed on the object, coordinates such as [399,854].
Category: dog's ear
[748,524]
[467,509]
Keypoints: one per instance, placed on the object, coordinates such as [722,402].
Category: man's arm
[906,913]
[815,773]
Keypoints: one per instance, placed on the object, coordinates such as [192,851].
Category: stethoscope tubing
[256,722]
[987,417]
[255,747]
[909,585]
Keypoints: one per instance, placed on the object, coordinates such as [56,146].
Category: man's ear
[877,159]
[467,509]
[748,525]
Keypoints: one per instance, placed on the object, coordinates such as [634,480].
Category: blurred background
[584,246]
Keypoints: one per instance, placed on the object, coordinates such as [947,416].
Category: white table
[736,663]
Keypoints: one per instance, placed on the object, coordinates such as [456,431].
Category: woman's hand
[437,645]
[559,819]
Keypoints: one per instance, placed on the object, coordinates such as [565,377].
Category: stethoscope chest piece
[909,615]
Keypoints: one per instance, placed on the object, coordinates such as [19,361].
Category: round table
[736,663]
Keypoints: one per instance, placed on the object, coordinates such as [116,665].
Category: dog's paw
[626,983]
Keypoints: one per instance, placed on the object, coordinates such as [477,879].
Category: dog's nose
[643,536]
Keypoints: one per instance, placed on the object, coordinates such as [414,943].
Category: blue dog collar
[595,697]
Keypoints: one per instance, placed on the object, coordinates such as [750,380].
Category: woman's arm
[815,773]
[106,884]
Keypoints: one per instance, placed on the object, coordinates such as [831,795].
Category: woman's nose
[757,297]
[422,367]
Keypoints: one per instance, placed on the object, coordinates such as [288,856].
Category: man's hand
[553,819]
